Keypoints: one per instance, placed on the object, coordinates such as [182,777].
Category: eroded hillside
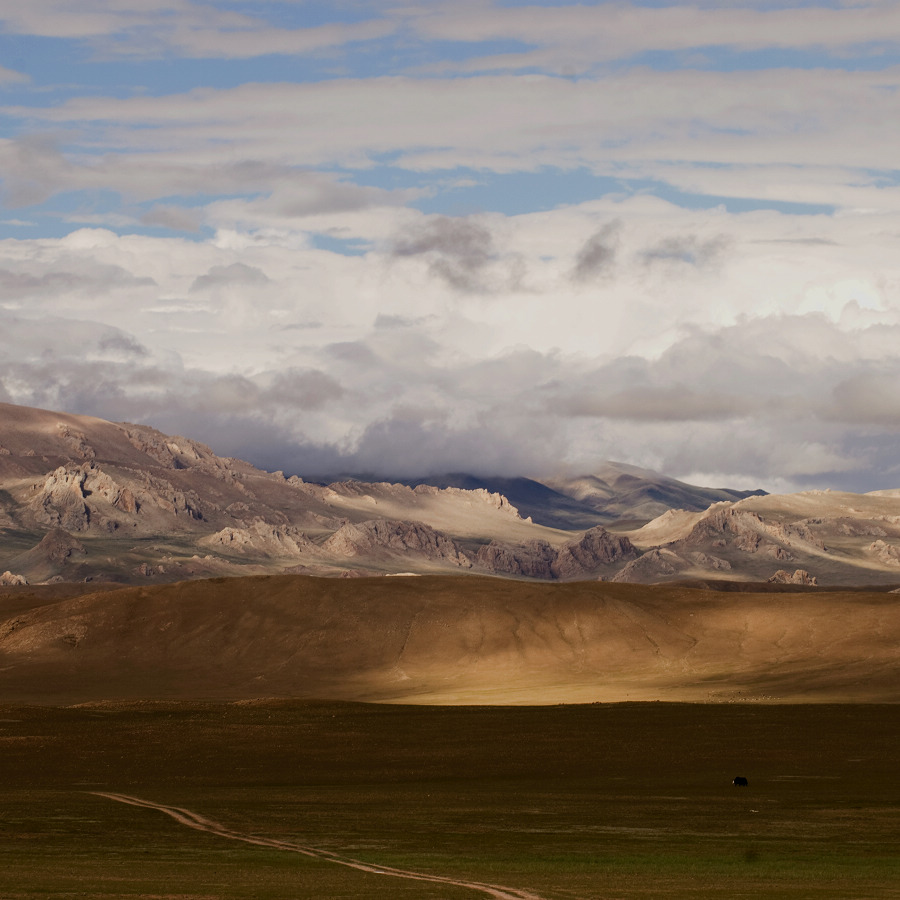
[85,499]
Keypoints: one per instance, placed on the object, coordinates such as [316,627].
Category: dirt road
[200,823]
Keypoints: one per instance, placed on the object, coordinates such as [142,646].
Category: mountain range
[83,499]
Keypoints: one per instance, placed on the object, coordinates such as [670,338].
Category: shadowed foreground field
[592,802]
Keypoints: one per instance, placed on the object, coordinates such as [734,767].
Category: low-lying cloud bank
[757,349]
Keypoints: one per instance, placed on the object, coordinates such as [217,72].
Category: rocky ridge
[82,498]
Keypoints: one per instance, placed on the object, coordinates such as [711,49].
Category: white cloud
[151,29]
[693,340]
[574,38]
[710,342]
[704,132]
[10,76]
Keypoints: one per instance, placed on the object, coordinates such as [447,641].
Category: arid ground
[592,801]
[444,640]
[117,702]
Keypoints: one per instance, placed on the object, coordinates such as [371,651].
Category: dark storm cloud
[458,250]
[598,254]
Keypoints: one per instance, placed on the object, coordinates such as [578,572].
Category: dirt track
[200,823]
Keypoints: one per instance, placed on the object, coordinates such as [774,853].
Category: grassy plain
[594,802]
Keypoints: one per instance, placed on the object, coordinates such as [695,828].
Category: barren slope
[83,499]
[130,503]
[837,538]
[447,640]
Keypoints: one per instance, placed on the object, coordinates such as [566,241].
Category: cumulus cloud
[756,346]
[388,410]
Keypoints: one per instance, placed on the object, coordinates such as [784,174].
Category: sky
[482,236]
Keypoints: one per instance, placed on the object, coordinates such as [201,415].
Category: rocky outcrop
[596,549]
[58,546]
[260,538]
[799,576]
[848,526]
[169,452]
[747,531]
[8,579]
[163,495]
[384,537]
[888,554]
[76,443]
[60,500]
[533,559]
[376,492]
[478,495]
[706,561]
[85,497]
[652,566]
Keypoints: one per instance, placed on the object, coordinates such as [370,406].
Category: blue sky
[517,237]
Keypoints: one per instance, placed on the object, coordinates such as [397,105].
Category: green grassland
[592,802]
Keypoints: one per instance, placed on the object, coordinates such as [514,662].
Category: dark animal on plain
[740,781]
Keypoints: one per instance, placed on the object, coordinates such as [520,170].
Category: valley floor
[593,802]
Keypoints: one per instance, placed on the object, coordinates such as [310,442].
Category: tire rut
[201,823]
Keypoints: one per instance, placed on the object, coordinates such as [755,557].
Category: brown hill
[445,640]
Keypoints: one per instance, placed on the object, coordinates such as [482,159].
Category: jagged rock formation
[594,552]
[706,561]
[7,578]
[532,559]
[748,531]
[81,499]
[260,538]
[382,537]
[595,549]
[58,546]
[655,565]
[798,576]
[63,499]
[889,554]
